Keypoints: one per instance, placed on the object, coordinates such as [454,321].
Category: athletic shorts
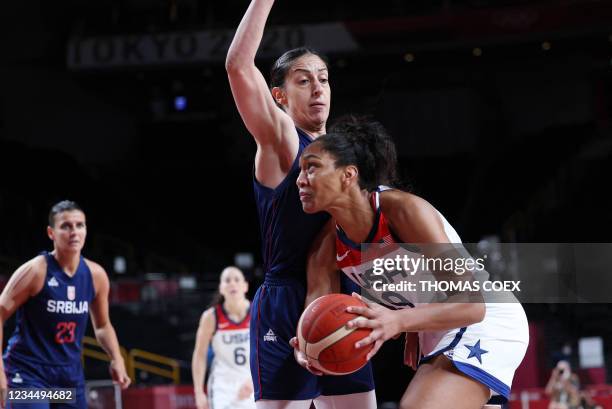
[275,312]
[21,374]
[489,351]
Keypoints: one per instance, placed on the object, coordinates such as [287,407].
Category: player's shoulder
[399,203]
[412,218]
[95,268]
[30,276]
[208,319]
[36,266]
[98,275]
[209,312]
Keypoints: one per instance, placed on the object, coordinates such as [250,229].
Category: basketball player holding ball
[469,350]
[226,326]
[283,122]
[54,294]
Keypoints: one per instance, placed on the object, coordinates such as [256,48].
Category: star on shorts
[476,351]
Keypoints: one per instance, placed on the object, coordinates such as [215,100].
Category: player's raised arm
[199,358]
[105,333]
[24,283]
[272,128]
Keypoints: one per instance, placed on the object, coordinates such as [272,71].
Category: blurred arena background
[500,109]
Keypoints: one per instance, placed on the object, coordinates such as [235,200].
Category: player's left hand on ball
[381,320]
[119,374]
[302,359]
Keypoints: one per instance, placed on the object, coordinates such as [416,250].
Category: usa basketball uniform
[488,351]
[230,367]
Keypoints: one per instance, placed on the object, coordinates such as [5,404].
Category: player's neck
[314,131]
[69,262]
[355,216]
[236,308]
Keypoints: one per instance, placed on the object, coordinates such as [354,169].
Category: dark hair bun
[374,149]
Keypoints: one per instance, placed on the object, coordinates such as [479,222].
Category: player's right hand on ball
[301,358]
[384,323]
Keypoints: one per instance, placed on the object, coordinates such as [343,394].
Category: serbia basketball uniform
[45,349]
[286,234]
[230,367]
[488,351]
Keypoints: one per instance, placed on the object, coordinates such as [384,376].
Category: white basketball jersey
[230,367]
[502,336]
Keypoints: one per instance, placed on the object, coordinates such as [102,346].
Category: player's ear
[279,96]
[350,175]
[50,233]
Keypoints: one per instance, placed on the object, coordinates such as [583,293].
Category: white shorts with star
[489,351]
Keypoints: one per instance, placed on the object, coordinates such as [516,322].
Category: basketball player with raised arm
[283,121]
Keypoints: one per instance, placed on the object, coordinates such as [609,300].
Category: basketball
[324,338]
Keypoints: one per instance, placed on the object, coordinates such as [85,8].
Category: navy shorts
[21,374]
[275,312]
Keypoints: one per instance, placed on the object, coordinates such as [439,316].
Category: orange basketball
[324,338]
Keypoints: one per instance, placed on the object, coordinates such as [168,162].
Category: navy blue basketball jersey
[50,326]
[286,230]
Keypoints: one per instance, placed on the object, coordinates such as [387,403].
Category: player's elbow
[234,64]
[230,64]
[101,329]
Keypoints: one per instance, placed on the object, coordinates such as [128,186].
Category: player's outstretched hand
[383,322]
[301,358]
[3,388]
[119,374]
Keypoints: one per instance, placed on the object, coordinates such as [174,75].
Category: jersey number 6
[239,356]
